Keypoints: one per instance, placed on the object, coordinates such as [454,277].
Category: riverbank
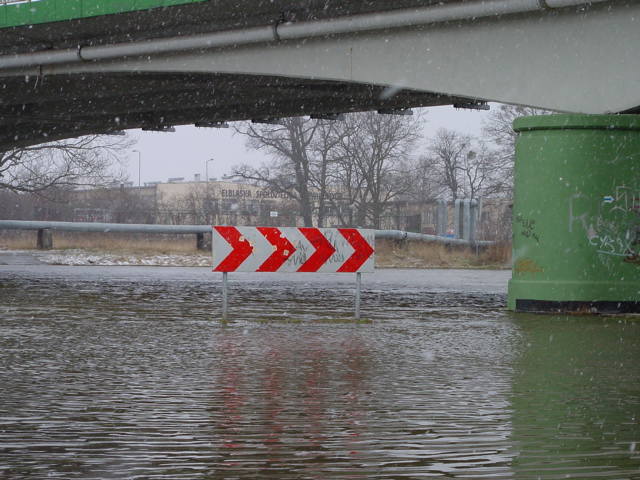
[411,256]
[391,254]
[180,250]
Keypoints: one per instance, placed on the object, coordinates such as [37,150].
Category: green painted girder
[18,13]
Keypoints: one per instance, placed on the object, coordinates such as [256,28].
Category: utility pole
[206,169]
[139,165]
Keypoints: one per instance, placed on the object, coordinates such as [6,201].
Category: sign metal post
[225,303]
[358,285]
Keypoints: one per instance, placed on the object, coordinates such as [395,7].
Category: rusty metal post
[45,239]
[201,243]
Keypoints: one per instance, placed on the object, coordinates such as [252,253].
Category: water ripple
[128,373]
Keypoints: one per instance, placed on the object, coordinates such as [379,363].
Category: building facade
[222,202]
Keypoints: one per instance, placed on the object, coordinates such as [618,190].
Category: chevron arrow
[323,252]
[283,249]
[242,249]
[362,250]
[292,249]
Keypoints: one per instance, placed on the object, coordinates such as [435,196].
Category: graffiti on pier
[527,265]
[611,223]
[528,227]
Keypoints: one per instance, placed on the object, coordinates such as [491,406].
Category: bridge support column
[576,223]
[45,239]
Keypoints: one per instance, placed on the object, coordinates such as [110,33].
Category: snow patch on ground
[82,257]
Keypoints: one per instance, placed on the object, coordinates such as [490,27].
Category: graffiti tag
[528,227]
[613,226]
[527,265]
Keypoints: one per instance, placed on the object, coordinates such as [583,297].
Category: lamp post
[139,164]
[206,169]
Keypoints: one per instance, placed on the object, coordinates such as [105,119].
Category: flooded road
[127,372]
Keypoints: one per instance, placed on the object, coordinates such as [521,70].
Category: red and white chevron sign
[291,249]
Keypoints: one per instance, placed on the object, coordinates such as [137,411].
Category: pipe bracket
[79,53]
[276,35]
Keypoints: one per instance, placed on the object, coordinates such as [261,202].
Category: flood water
[128,372]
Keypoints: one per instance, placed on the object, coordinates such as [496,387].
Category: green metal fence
[20,12]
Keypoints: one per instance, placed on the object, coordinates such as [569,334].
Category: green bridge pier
[576,217]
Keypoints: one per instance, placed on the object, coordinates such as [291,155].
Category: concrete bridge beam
[566,55]
[558,59]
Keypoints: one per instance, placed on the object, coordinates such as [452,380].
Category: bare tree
[464,166]
[356,162]
[421,175]
[201,205]
[378,147]
[446,153]
[57,204]
[289,143]
[121,204]
[88,160]
[347,195]
[498,127]
[481,174]
[498,131]
[329,135]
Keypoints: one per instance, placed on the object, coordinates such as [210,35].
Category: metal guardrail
[102,227]
[199,230]
[401,235]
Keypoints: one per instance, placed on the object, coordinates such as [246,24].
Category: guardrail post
[45,239]
[201,243]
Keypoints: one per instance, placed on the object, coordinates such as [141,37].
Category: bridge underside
[36,108]
[204,17]
[568,59]
[79,104]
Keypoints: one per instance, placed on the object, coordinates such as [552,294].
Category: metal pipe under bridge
[45,229]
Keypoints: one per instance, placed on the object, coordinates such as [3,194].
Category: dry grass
[431,255]
[498,253]
[109,242]
[18,239]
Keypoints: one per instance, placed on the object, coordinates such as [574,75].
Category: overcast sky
[186,151]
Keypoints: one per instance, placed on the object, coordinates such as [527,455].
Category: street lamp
[206,169]
[139,163]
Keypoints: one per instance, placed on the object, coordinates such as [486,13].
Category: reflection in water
[577,397]
[297,408]
[122,373]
